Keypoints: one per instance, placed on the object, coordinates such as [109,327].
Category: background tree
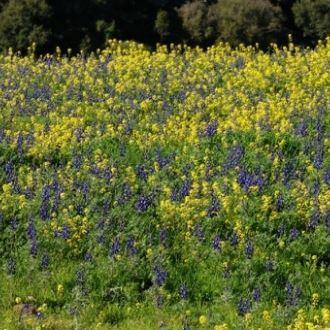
[162,24]
[23,22]
[195,20]
[88,24]
[313,18]
[248,21]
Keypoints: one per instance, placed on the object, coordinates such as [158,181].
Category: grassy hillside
[175,189]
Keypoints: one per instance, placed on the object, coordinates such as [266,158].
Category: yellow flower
[223,326]
[60,288]
[18,300]
[203,320]
[315,299]
[7,188]
[281,244]
[248,317]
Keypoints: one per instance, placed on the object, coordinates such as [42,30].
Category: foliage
[313,18]
[248,22]
[23,22]
[194,17]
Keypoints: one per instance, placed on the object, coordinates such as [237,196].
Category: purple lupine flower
[234,239]
[183,292]
[287,173]
[78,134]
[214,207]
[107,174]
[259,181]
[292,294]
[280,203]
[2,135]
[77,162]
[143,203]
[239,63]
[57,192]
[302,129]
[256,294]
[327,177]
[65,232]
[161,160]
[44,262]
[130,245]
[199,233]
[245,179]
[44,208]
[163,236]
[30,139]
[244,306]
[126,194]
[101,239]
[315,190]
[141,172]
[270,265]
[106,207]
[318,159]
[13,224]
[212,128]
[73,310]
[216,243]
[185,189]
[294,234]
[11,266]
[34,248]
[314,221]
[19,144]
[236,154]
[84,189]
[319,125]
[44,211]
[249,248]
[10,171]
[88,257]
[174,195]
[160,275]
[280,231]
[29,194]
[80,277]
[115,248]
[100,224]
[327,221]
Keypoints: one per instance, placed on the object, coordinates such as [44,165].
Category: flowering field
[176,189]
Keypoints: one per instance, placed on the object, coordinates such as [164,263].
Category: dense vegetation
[88,24]
[181,188]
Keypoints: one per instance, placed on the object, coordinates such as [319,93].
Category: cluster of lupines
[187,174]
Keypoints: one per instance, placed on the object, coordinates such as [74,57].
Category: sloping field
[175,189]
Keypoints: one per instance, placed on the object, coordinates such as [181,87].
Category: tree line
[87,24]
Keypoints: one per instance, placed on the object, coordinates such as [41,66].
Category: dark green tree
[195,21]
[247,21]
[313,18]
[162,24]
[23,22]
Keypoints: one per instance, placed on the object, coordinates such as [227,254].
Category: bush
[195,20]
[247,21]
[162,24]
[22,22]
[313,18]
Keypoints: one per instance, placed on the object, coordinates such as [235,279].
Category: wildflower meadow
[175,188]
